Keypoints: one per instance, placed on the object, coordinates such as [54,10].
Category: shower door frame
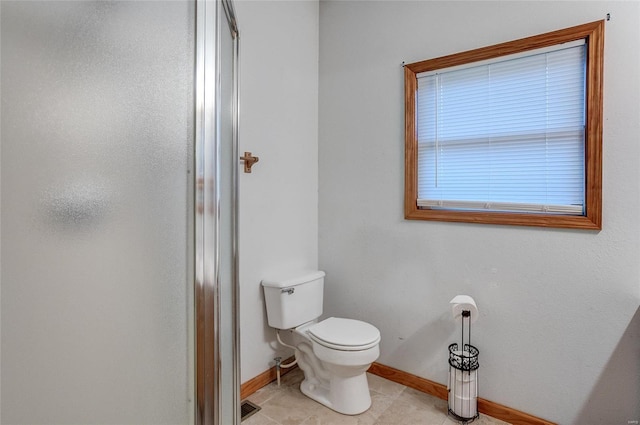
[208,321]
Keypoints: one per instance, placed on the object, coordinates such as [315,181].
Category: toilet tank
[294,299]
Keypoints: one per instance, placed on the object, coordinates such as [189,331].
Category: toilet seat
[344,334]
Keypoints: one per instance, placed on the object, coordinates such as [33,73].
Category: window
[508,134]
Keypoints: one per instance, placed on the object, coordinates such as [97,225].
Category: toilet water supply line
[278,360]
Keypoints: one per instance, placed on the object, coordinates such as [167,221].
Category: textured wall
[559,333]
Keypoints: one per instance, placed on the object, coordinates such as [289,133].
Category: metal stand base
[461,419]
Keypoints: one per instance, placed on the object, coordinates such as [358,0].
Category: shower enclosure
[118,265]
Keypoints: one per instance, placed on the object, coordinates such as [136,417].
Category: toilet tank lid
[292,279]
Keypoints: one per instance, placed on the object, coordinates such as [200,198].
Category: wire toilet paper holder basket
[463,376]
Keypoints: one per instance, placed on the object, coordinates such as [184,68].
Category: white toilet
[334,354]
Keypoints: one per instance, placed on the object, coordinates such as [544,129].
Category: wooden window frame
[593,33]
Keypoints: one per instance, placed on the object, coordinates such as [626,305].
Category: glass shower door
[97,135]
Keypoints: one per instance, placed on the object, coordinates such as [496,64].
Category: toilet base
[346,395]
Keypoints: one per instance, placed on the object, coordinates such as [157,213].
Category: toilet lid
[345,334]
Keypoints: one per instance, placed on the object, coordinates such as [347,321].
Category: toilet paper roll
[459,303]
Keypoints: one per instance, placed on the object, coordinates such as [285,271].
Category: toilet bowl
[334,353]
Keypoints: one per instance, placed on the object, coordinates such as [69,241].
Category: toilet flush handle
[288,290]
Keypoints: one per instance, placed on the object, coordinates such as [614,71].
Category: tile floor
[392,404]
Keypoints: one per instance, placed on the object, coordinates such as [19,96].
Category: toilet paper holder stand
[463,376]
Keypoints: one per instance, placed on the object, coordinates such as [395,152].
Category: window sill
[511,219]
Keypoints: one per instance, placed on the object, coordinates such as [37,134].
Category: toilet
[334,353]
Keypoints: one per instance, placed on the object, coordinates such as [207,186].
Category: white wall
[278,123]
[559,332]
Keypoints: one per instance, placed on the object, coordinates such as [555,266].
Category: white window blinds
[506,134]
